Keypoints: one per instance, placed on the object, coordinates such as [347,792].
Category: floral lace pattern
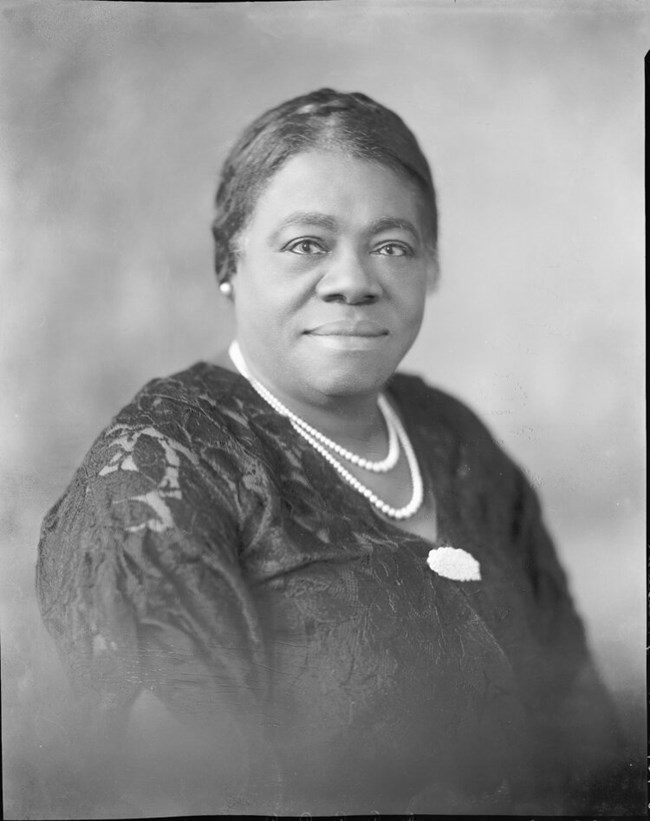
[124,441]
[205,552]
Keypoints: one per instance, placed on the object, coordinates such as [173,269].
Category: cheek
[410,298]
[263,301]
[415,320]
[252,294]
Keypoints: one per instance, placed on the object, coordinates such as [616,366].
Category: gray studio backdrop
[115,118]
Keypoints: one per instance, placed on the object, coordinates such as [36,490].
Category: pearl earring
[226,288]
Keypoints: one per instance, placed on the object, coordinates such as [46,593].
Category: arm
[578,740]
[140,584]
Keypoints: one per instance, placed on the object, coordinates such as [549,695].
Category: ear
[232,281]
[226,289]
[237,249]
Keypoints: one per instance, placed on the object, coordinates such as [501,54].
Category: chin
[350,381]
[348,367]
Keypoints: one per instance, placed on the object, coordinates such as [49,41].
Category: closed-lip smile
[346,327]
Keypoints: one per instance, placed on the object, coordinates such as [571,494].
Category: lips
[344,327]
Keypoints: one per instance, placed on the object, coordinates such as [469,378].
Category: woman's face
[331,278]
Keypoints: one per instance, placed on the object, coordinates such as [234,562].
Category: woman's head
[352,124]
[326,231]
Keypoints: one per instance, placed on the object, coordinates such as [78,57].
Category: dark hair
[322,119]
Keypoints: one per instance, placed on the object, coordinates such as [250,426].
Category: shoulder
[161,474]
[454,441]
[438,411]
[168,401]
[170,452]
[172,417]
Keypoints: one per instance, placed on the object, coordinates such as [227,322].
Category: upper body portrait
[331,583]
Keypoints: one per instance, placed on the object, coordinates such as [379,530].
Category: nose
[349,278]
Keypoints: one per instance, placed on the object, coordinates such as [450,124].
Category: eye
[305,247]
[394,249]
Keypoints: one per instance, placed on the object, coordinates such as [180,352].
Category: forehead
[340,185]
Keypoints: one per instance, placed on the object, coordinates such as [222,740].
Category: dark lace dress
[206,553]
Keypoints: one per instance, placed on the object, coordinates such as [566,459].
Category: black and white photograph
[322,431]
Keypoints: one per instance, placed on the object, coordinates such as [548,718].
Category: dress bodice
[207,553]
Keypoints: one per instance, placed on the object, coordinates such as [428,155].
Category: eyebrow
[330,224]
[390,223]
[310,217]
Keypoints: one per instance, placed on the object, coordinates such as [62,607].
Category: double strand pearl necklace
[321,443]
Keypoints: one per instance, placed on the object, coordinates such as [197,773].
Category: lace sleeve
[139,583]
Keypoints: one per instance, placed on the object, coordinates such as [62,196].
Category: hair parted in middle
[324,119]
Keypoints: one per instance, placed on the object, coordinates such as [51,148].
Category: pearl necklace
[382,466]
[320,442]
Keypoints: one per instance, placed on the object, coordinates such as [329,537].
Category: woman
[328,572]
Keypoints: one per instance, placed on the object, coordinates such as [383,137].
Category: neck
[354,421]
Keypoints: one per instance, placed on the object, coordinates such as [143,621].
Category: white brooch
[453,563]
